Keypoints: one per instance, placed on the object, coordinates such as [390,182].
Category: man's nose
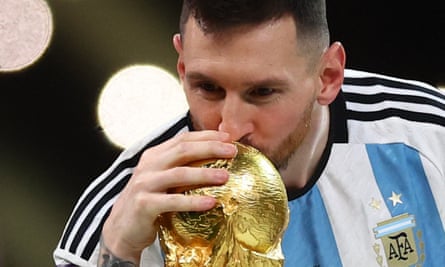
[236,118]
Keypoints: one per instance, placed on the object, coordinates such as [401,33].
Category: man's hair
[218,16]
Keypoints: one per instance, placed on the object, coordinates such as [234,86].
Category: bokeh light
[26,27]
[137,100]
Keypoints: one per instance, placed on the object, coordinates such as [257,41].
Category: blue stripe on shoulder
[404,186]
[309,240]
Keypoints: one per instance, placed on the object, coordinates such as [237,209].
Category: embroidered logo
[399,243]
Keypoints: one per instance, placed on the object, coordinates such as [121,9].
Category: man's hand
[132,224]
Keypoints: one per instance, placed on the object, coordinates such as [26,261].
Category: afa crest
[399,242]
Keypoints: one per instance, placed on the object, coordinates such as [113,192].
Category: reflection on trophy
[245,227]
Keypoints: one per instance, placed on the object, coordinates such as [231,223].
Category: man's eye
[208,87]
[211,91]
[263,91]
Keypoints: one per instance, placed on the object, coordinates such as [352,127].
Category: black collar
[338,133]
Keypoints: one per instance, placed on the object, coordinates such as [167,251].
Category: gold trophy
[245,227]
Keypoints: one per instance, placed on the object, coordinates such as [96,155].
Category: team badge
[399,243]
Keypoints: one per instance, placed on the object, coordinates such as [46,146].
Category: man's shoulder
[375,97]
[382,109]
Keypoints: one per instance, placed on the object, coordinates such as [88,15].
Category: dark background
[51,145]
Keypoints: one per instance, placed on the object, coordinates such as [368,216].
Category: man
[361,156]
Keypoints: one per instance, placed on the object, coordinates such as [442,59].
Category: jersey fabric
[376,198]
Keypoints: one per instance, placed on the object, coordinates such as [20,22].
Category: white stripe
[375,89]
[363,74]
[406,106]
[348,202]
[92,227]
[91,205]
[64,257]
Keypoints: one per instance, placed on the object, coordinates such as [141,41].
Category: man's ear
[331,73]
[180,68]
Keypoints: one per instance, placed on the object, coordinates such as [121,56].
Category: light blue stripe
[398,169]
[395,226]
[309,240]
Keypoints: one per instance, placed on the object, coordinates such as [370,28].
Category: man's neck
[305,160]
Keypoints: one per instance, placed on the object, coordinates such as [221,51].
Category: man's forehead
[195,26]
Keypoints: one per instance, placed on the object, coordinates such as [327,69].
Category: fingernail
[221,176]
[208,202]
[229,149]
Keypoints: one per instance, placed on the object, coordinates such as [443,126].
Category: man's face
[251,82]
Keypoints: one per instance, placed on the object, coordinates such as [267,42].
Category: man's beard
[281,155]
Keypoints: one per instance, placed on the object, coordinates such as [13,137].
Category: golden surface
[245,227]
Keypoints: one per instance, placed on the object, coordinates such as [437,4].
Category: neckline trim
[338,133]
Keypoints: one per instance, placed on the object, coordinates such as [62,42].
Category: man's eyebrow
[266,82]
[198,76]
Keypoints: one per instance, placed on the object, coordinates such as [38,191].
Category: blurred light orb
[26,28]
[136,100]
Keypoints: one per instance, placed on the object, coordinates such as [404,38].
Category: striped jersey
[377,197]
